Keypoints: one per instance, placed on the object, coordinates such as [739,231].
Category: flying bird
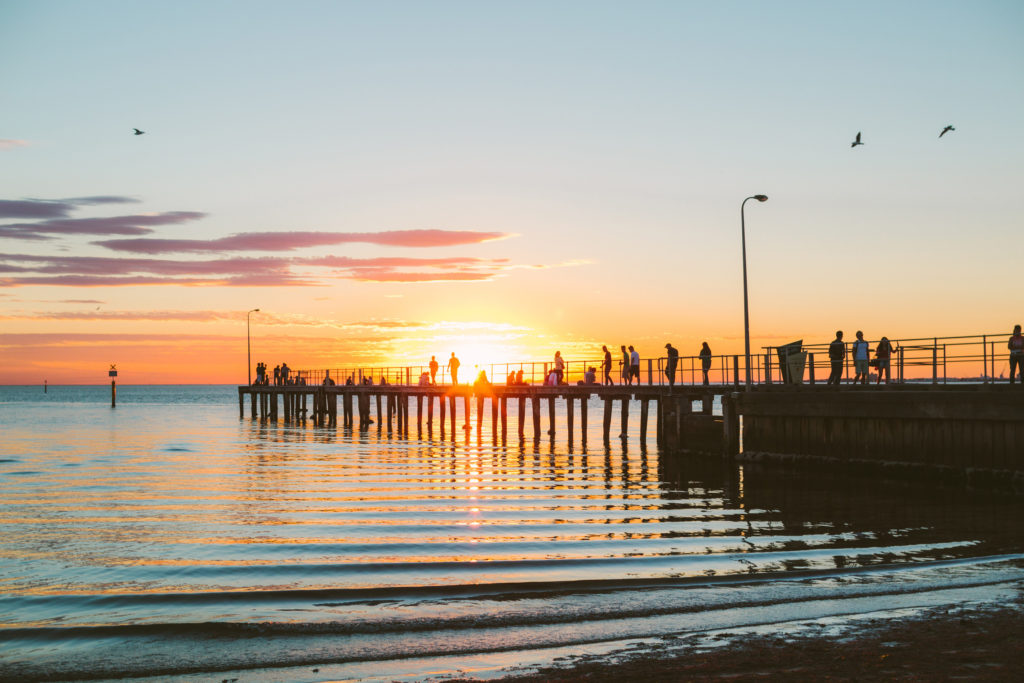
[946,130]
[857,141]
[138,132]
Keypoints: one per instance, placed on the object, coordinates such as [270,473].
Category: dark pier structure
[449,409]
[971,433]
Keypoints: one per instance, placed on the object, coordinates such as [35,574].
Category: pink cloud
[8,143]
[291,240]
[116,225]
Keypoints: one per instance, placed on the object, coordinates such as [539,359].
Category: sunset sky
[390,180]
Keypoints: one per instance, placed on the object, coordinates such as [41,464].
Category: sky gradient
[391,180]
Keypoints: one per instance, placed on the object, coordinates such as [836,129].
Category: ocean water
[167,538]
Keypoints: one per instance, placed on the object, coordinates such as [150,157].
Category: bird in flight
[857,141]
[138,132]
[946,130]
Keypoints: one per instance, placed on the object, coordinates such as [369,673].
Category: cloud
[177,316]
[53,208]
[7,143]
[116,225]
[101,271]
[289,241]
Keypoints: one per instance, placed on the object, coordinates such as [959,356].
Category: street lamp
[746,313]
[248,344]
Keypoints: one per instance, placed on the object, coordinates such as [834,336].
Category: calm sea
[168,538]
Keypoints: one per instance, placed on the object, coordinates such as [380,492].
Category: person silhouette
[453,367]
[433,370]
[670,365]
[606,365]
[705,361]
[1016,346]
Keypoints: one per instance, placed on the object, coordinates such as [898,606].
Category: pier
[449,409]
[926,423]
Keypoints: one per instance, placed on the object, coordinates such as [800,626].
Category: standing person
[634,365]
[277,375]
[836,354]
[559,367]
[625,364]
[861,350]
[433,370]
[670,366]
[607,366]
[453,367]
[1016,346]
[284,373]
[883,354]
[705,361]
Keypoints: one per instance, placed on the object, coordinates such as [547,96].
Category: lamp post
[248,344]
[746,312]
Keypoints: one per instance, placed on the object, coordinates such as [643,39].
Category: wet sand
[938,645]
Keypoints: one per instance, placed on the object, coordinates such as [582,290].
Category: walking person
[433,370]
[836,354]
[883,356]
[607,366]
[860,359]
[634,365]
[1016,346]
[670,365]
[453,367]
[705,361]
[625,364]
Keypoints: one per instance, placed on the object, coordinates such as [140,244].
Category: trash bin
[784,352]
[795,364]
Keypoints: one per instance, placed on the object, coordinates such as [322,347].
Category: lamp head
[761,197]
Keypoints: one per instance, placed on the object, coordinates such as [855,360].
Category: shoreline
[964,642]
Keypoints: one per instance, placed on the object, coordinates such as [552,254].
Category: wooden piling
[551,417]
[494,415]
[521,415]
[583,420]
[569,407]
[643,420]
[535,406]
[607,426]
[504,418]
[451,404]
[479,413]
[625,418]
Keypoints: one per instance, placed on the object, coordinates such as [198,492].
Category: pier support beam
[551,417]
[607,425]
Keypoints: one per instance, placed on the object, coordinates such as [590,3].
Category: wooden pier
[449,409]
[973,434]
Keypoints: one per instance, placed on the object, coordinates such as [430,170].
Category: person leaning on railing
[1016,346]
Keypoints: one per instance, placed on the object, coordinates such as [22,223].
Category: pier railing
[980,358]
[937,360]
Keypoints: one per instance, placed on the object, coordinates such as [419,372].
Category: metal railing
[935,360]
[924,359]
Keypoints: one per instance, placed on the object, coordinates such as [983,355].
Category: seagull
[138,132]
[946,130]
[857,141]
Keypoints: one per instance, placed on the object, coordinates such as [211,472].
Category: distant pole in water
[44,386]
[113,385]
